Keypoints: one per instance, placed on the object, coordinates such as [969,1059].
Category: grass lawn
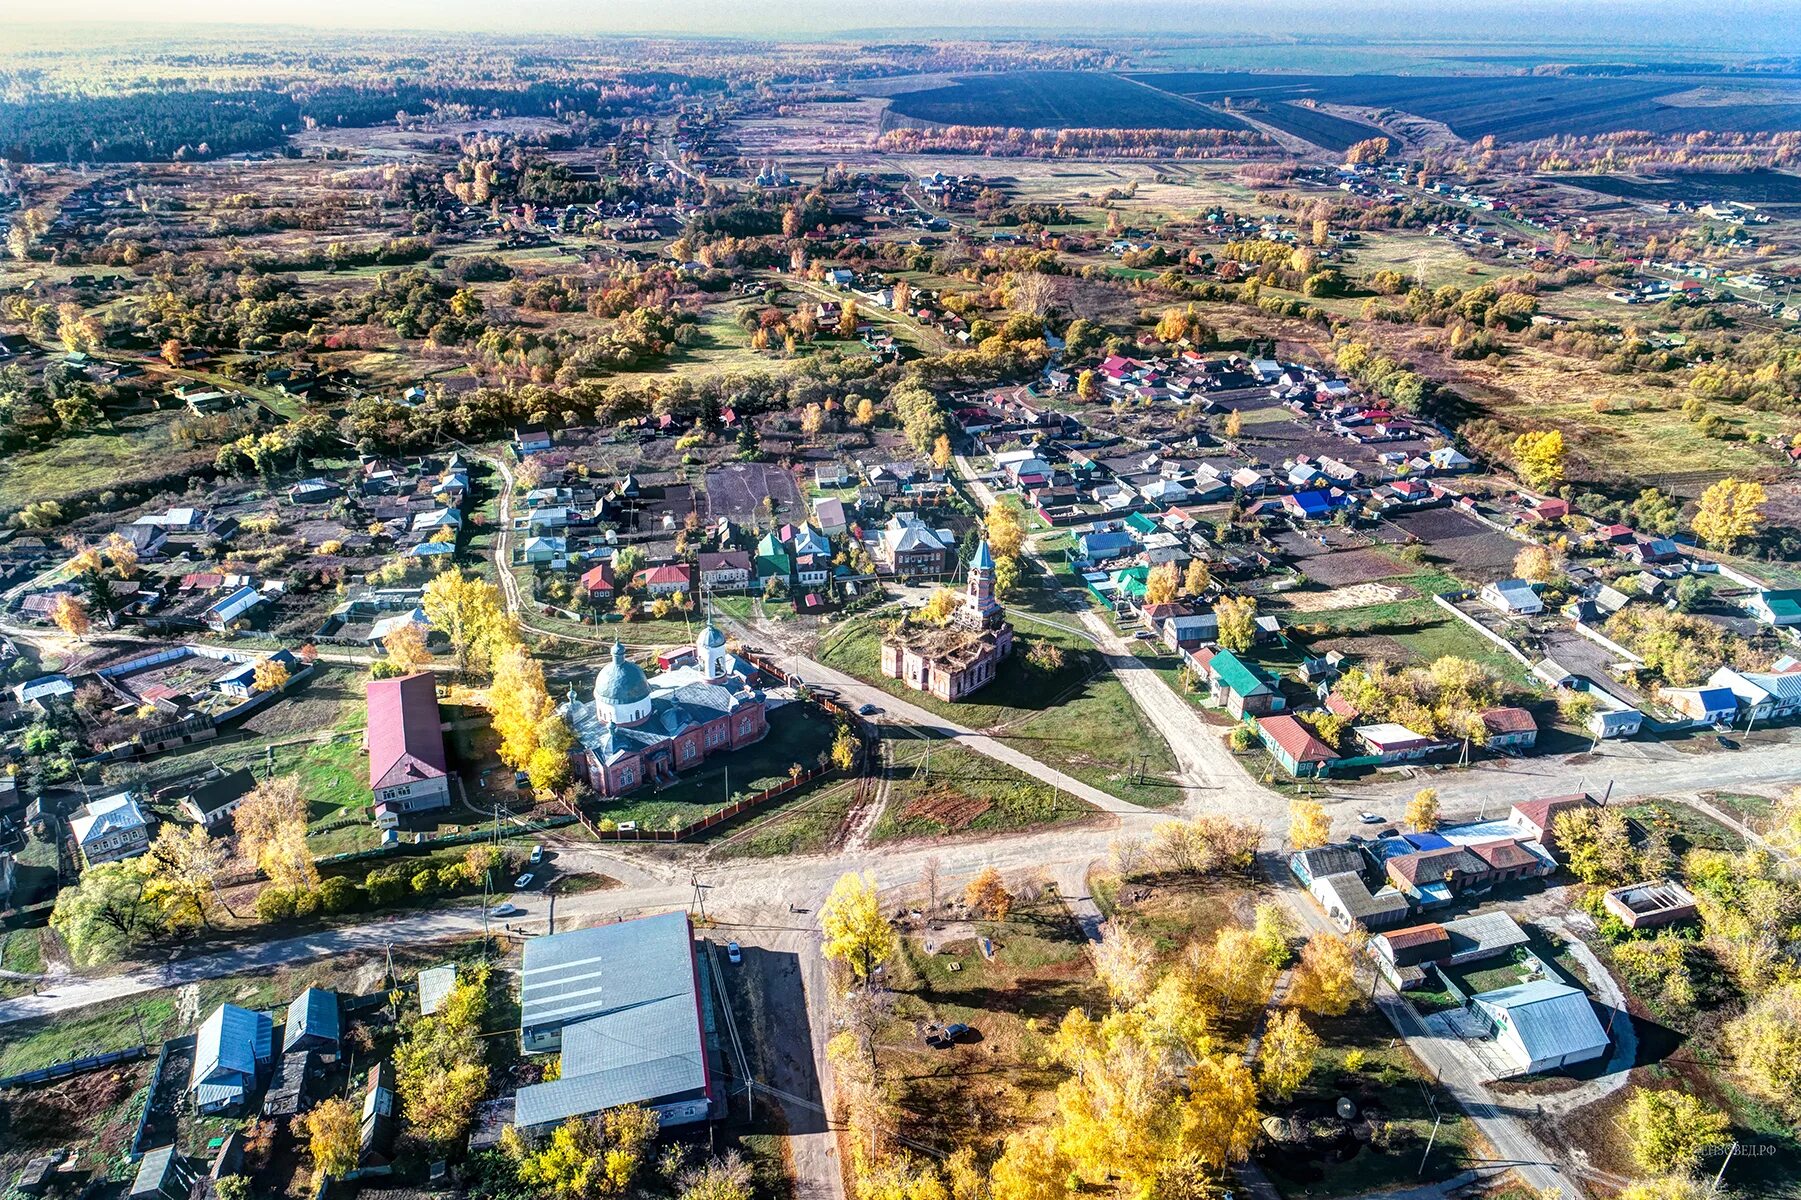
[1390,1089]
[1686,828]
[937,787]
[807,826]
[998,1080]
[797,734]
[134,446]
[1102,738]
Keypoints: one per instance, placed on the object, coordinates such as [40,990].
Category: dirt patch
[948,806]
[45,1116]
[1344,568]
[1358,595]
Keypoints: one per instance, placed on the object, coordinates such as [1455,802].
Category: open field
[1321,128]
[1056,100]
[938,788]
[1515,108]
[1697,187]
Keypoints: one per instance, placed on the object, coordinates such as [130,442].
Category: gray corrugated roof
[434,987]
[230,1044]
[626,996]
[580,1095]
[568,976]
[153,1170]
[1551,1018]
[313,1013]
[1487,931]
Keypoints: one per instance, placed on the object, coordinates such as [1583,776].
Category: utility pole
[1721,1173]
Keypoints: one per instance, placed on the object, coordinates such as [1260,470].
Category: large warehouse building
[623,1004]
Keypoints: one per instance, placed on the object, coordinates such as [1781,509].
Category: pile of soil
[949,806]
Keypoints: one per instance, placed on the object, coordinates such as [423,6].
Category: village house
[110,829]
[1239,687]
[666,580]
[1295,746]
[1510,728]
[725,570]
[407,766]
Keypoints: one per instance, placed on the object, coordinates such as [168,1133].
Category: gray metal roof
[626,996]
[313,1013]
[569,976]
[228,1047]
[1552,1019]
[434,987]
[1486,931]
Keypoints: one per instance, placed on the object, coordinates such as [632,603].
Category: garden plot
[1474,551]
[750,493]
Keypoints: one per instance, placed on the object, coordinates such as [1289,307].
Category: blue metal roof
[313,1013]
[1552,1019]
[621,681]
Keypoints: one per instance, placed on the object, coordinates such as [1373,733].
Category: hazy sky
[1763,26]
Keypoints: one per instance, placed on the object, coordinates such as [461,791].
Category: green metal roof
[1239,675]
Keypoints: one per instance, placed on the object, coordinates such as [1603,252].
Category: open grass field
[938,788]
[129,448]
[1057,100]
[1699,187]
[1511,108]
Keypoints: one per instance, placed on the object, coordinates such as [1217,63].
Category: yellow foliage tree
[1285,1056]
[185,862]
[1539,456]
[987,895]
[1006,528]
[1731,512]
[469,612]
[1325,982]
[70,615]
[943,602]
[1672,1131]
[1197,578]
[406,648]
[1308,824]
[856,932]
[1237,617]
[1160,584]
[941,451]
[334,1138]
[518,703]
[270,675]
[1766,1047]
[1422,811]
[271,829]
[1234,424]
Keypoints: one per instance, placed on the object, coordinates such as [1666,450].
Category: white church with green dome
[637,729]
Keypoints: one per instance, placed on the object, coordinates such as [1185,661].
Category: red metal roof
[406,739]
[1296,740]
[1504,854]
[1542,811]
[1416,935]
[1508,720]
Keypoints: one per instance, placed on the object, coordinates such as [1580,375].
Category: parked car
[537,854]
[867,710]
[946,1037]
[505,909]
[1369,818]
[523,882]
[733,954]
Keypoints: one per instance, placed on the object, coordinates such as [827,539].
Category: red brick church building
[961,656]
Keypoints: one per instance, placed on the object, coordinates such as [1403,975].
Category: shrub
[425,881]
[339,895]
[275,904]
[385,886]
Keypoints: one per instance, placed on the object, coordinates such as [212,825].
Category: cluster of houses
[1386,884]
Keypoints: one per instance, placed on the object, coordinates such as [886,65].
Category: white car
[505,909]
[1369,818]
[523,882]
[733,954]
[537,854]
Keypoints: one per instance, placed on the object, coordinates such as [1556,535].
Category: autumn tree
[1285,1056]
[1596,843]
[70,615]
[1766,1047]
[406,648]
[271,829]
[108,911]
[440,1069]
[1422,811]
[269,675]
[844,748]
[334,1138]
[1536,564]
[1006,528]
[1237,617]
[856,932]
[1731,512]
[470,613]
[1308,824]
[987,895]
[122,554]
[1088,385]
[1126,965]
[588,1159]
[186,863]
[1160,584]
[940,605]
[941,451]
[1368,151]
[517,704]
[549,766]
[1538,453]
[1671,1131]
[1325,982]
[1238,969]
[1233,425]
[1197,578]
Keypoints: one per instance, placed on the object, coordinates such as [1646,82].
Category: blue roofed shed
[312,1022]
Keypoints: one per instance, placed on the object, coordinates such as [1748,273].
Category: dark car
[946,1037]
